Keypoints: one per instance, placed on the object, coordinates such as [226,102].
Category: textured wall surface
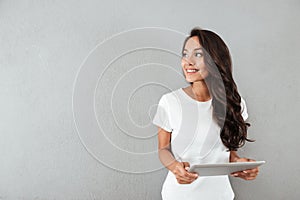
[47,150]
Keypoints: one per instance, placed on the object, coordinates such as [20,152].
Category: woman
[202,123]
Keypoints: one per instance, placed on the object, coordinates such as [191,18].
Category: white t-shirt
[195,139]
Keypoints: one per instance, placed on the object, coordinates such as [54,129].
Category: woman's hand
[249,174]
[182,175]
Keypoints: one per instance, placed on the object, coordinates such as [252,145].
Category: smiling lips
[192,70]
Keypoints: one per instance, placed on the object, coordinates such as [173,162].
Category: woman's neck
[200,91]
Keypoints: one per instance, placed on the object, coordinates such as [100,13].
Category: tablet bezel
[216,169]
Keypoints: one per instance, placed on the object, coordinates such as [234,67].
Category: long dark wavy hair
[226,101]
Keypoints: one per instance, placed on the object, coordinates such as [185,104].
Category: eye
[198,54]
[184,55]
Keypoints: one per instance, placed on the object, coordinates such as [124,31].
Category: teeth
[192,70]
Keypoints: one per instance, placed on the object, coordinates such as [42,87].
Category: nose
[188,61]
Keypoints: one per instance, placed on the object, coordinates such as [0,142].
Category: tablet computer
[217,169]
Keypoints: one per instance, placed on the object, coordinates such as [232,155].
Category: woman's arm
[233,156]
[168,160]
[164,152]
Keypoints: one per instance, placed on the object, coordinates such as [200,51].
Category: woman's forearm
[167,159]
[233,156]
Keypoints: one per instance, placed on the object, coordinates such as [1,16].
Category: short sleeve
[244,109]
[162,117]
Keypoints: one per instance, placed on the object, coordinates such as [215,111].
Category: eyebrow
[200,48]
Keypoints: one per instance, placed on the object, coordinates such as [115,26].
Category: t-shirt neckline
[193,100]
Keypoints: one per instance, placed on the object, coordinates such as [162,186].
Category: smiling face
[192,61]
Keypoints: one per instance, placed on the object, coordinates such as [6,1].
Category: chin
[194,80]
[190,81]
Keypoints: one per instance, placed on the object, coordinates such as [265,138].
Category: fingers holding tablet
[182,175]
[248,174]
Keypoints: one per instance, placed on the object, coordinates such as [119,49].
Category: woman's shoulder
[172,98]
[172,94]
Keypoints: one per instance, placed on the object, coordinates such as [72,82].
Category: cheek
[199,63]
[205,73]
[183,62]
